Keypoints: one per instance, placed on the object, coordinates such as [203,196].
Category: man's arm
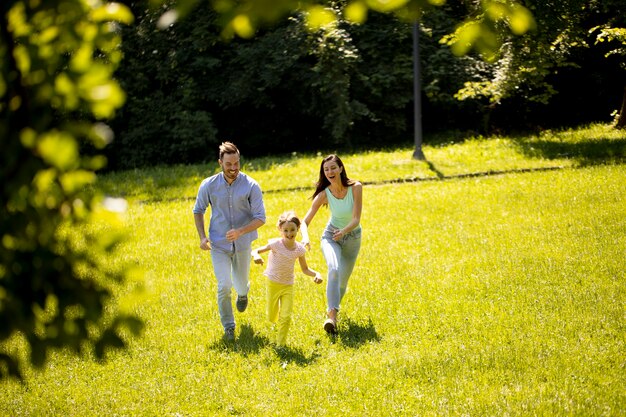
[234,234]
[204,241]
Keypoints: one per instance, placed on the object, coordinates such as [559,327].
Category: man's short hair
[228,148]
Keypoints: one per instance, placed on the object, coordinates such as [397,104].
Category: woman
[341,239]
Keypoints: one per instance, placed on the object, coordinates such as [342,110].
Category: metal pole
[417,96]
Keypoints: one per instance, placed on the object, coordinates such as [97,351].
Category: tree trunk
[621,119]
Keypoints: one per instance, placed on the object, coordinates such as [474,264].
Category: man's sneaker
[242,303]
[229,334]
[330,326]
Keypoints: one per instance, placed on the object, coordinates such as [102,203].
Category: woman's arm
[357,194]
[318,201]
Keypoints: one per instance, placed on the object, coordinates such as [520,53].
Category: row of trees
[290,89]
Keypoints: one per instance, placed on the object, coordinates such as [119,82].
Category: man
[237,211]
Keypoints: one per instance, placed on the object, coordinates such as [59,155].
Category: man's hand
[233,234]
[205,244]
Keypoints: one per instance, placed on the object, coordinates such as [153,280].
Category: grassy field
[490,282]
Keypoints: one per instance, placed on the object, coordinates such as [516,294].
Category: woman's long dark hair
[323,182]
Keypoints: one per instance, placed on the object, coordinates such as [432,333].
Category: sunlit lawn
[489,295]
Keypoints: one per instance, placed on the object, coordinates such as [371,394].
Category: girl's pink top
[281,261]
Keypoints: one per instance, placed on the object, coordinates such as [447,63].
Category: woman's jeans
[340,258]
[232,269]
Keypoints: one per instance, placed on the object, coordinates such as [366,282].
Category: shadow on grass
[353,335]
[591,151]
[246,343]
[434,169]
[296,356]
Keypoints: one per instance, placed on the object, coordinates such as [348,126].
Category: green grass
[487,295]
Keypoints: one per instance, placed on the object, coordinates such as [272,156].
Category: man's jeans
[232,269]
[340,258]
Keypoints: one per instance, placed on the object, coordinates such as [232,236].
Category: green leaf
[243,26]
[465,36]
[59,150]
[75,180]
[386,5]
[319,17]
[113,12]
[521,20]
[356,12]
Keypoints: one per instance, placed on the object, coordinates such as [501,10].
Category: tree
[57,88]
[616,37]
[57,284]
[528,68]
[481,33]
[343,84]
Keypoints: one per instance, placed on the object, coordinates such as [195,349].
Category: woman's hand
[338,234]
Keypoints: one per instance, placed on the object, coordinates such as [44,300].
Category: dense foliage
[57,284]
[349,85]
[556,74]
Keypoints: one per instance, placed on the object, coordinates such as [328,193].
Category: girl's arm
[357,194]
[255,254]
[318,201]
[317,277]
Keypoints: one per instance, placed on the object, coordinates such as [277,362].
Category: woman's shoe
[330,326]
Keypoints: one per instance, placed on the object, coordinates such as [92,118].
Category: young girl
[280,272]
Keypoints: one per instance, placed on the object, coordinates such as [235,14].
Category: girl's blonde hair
[288,216]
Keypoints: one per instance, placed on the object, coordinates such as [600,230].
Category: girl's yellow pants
[279,307]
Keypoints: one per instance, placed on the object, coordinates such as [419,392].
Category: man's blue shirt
[232,206]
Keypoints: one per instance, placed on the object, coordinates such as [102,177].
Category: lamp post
[417,96]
